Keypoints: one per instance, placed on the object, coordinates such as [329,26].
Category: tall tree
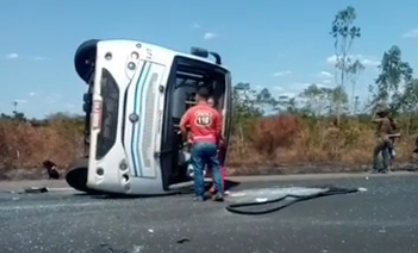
[344,33]
[354,70]
[265,101]
[387,88]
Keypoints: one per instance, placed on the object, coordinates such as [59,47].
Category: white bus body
[133,110]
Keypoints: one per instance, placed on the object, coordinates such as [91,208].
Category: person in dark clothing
[383,144]
[52,169]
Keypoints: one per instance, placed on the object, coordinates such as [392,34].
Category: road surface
[383,220]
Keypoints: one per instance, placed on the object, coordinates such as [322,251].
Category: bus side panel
[142,117]
[132,117]
[150,137]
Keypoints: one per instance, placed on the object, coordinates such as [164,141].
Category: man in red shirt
[205,126]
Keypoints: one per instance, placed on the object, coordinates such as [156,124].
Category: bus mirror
[217,57]
[201,52]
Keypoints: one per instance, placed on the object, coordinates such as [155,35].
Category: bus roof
[88,47]
[177,53]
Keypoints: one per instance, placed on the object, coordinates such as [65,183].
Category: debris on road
[36,190]
[183,240]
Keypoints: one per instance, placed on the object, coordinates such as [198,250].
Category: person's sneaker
[218,197]
[199,198]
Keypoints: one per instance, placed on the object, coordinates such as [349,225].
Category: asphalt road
[383,220]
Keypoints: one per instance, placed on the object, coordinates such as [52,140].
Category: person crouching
[51,169]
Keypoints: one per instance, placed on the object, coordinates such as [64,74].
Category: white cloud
[196,26]
[12,56]
[210,36]
[278,88]
[366,61]
[283,73]
[326,81]
[69,106]
[325,74]
[413,33]
[370,62]
[32,94]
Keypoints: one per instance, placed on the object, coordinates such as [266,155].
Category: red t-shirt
[205,123]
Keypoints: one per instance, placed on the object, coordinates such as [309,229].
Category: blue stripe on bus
[138,96]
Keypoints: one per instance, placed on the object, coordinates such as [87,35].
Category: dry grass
[25,146]
[286,144]
[296,144]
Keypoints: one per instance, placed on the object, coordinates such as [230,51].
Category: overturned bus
[136,95]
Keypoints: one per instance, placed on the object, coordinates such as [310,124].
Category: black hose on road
[330,191]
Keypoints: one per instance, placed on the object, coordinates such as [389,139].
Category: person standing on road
[205,125]
[384,142]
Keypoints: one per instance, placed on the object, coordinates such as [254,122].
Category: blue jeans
[206,154]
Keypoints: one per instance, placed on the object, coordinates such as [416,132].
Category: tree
[387,86]
[244,102]
[316,100]
[321,100]
[338,101]
[354,70]
[344,33]
[265,101]
[287,104]
[409,98]
[244,109]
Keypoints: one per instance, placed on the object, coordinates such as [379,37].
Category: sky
[281,45]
